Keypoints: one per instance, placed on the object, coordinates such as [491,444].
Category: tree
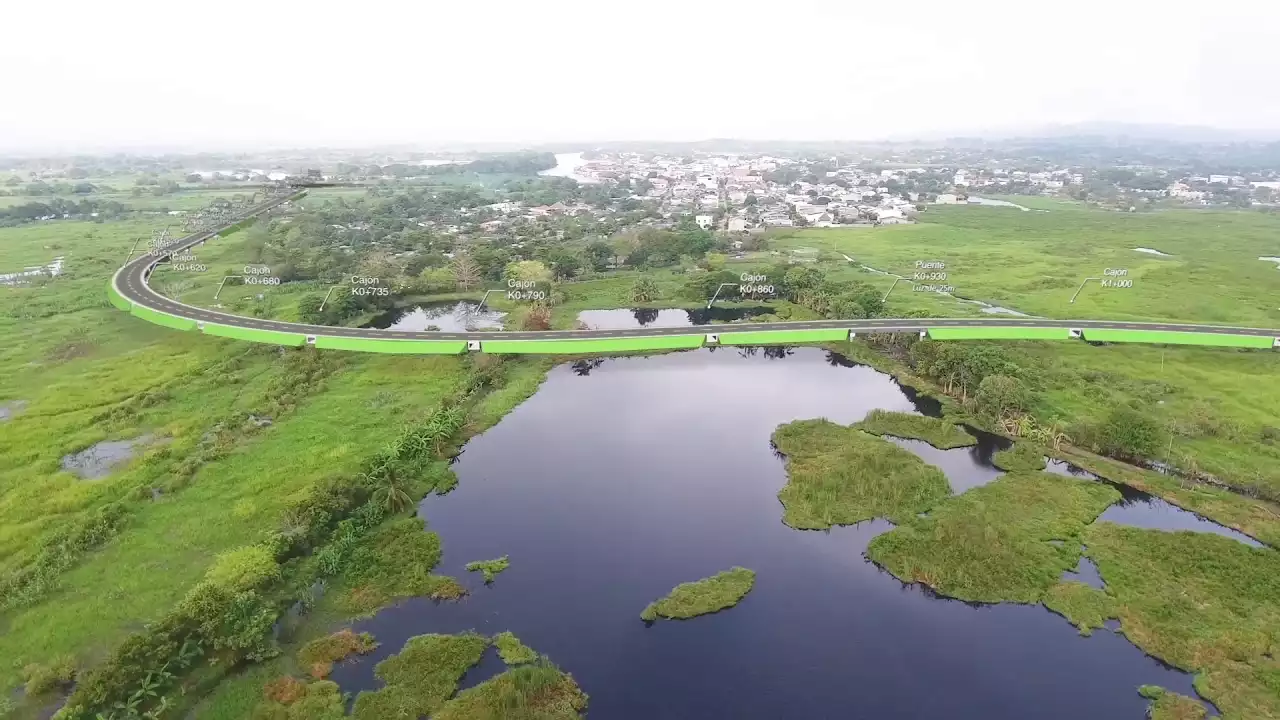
[391,494]
[490,262]
[439,279]
[644,290]
[598,255]
[465,271]
[309,308]
[564,264]
[527,271]
[623,245]
[1000,395]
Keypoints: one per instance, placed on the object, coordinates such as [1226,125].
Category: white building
[947,199]
[704,221]
[1224,179]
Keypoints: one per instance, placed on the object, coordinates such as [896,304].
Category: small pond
[11,408]
[621,319]
[97,461]
[53,269]
[623,477]
[445,316]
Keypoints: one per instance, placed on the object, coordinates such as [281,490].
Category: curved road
[131,282]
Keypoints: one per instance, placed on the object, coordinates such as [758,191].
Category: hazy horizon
[142,75]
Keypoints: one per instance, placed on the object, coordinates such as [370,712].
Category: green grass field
[1035,261]
[212,479]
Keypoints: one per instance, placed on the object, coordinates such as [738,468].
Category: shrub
[1001,394]
[58,673]
[285,690]
[243,568]
[319,655]
[1129,433]
[537,318]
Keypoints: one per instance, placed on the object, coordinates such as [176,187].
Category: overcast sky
[87,74]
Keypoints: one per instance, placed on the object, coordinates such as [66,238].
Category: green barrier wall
[780,337]
[255,335]
[117,299]
[415,347]
[574,347]
[1000,333]
[159,318]
[1165,337]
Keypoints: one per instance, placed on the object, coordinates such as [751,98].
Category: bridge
[129,291]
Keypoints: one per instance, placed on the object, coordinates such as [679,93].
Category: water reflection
[609,487]
[1144,510]
[1138,509]
[622,319]
[445,316]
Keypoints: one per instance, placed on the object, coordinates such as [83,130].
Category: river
[567,165]
[621,478]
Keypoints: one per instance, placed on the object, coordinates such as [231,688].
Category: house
[947,199]
[704,221]
[737,225]
[814,216]
[1224,179]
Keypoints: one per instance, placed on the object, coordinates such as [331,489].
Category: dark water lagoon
[621,478]
[445,316]
[623,318]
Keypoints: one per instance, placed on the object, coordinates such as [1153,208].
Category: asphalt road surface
[131,281]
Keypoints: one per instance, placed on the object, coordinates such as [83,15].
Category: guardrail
[144,303]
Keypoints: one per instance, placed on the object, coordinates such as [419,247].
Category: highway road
[131,282]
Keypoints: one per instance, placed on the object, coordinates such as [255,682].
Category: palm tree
[391,494]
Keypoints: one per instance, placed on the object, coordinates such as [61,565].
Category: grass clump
[56,674]
[1200,602]
[701,597]
[1167,705]
[992,543]
[1022,457]
[538,691]
[395,561]
[512,651]
[419,679]
[319,655]
[292,699]
[839,476]
[937,432]
[490,568]
[1086,607]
